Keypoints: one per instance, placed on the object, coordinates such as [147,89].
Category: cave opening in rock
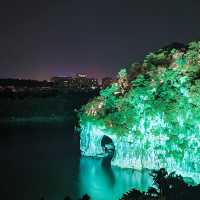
[108,147]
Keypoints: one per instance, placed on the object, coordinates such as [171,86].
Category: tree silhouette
[167,187]
[132,195]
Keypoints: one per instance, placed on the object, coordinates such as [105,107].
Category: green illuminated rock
[151,112]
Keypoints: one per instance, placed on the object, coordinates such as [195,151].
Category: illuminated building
[78,82]
[60,80]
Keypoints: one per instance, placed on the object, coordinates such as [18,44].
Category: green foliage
[163,101]
[109,91]
[193,52]
[122,73]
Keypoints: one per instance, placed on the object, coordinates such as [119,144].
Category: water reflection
[45,161]
[102,182]
[108,172]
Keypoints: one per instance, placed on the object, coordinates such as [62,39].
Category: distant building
[81,75]
[60,81]
[106,82]
[60,78]
[24,85]
[78,82]
[82,82]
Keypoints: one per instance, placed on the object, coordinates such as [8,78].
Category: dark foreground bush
[165,187]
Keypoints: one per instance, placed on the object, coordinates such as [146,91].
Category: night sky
[40,38]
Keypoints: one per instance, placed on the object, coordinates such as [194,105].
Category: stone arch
[108,146]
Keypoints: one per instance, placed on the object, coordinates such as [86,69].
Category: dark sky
[41,38]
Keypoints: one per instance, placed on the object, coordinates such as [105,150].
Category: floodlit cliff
[151,113]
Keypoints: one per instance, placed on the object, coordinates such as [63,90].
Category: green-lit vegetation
[168,84]
[158,99]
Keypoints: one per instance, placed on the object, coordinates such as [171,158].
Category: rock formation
[151,113]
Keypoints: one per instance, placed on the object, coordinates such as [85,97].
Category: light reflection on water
[104,183]
[45,160]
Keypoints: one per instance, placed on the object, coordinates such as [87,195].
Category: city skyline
[61,76]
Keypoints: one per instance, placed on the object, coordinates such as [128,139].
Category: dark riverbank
[52,108]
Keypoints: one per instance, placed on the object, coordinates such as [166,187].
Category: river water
[44,160]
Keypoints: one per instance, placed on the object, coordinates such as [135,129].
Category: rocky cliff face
[151,113]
